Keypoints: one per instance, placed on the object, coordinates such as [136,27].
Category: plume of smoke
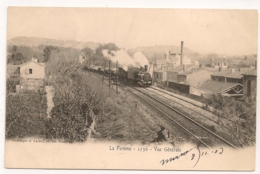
[124,60]
[140,59]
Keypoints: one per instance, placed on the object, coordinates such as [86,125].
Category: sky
[232,32]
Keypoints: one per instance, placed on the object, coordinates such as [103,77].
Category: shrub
[25,116]
[66,123]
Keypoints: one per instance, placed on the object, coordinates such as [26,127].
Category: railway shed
[160,77]
[223,88]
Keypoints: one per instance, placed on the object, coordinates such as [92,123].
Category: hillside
[35,42]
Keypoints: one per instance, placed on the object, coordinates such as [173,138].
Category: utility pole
[89,66]
[154,65]
[104,71]
[116,77]
[109,69]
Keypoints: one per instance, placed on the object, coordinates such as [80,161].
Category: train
[135,76]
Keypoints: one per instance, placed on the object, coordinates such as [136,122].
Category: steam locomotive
[135,76]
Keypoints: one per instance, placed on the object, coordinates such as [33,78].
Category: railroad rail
[189,127]
[192,124]
[194,103]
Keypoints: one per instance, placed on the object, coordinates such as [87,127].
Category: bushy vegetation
[25,115]
[11,83]
[75,94]
[44,53]
[66,123]
[238,116]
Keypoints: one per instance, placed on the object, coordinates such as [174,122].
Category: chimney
[34,59]
[145,68]
[181,52]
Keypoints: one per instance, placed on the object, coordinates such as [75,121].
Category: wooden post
[154,63]
[109,69]
[89,66]
[116,77]
[104,71]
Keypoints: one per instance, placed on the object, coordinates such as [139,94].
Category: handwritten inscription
[194,156]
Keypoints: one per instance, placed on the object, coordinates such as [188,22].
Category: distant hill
[160,51]
[35,41]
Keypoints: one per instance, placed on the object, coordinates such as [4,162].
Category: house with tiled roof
[32,69]
[219,62]
[194,77]
[172,74]
[32,75]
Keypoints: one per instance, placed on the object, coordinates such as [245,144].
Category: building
[231,75]
[223,88]
[32,76]
[32,70]
[82,58]
[218,63]
[250,83]
[160,77]
[172,74]
[194,77]
[175,59]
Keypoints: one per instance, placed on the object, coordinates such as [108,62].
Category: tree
[47,52]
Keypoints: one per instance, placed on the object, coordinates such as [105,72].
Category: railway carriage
[135,76]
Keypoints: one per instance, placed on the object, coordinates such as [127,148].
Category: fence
[180,87]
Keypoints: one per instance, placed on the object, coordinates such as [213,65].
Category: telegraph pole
[109,69]
[89,66]
[116,77]
[104,71]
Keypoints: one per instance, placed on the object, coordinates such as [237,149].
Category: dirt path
[49,95]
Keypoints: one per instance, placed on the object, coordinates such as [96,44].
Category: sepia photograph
[131,88]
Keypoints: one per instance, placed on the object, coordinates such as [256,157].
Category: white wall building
[32,69]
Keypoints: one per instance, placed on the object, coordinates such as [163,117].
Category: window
[30,71]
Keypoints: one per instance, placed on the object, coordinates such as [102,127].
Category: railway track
[189,101]
[213,118]
[199,132]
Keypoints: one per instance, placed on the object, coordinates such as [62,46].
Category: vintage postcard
[128,88]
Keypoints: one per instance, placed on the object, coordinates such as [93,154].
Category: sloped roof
[229,74]
[179,68]
[41,64]
[222,73]
[190,71]
[159,71]
[251,73]
[217,87]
